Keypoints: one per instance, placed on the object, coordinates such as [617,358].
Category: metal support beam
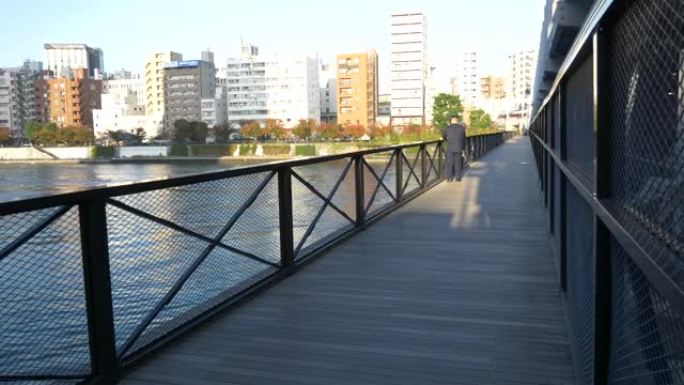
[359,191]
[285,215]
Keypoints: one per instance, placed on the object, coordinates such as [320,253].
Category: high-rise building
[328,84]
[125,114]
[26,77]
[215,110]
[63,59]
[357,88]
[284,88]
[154,80]
[9,119]
[409,68]
[468,78]
[522,78]
[186,83]
[69,101]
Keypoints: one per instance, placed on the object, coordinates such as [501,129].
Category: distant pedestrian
[454,134]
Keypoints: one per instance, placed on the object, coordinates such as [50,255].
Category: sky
[128,31]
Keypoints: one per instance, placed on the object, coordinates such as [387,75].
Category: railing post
[399,174]
[98,291]
[359,189]
[440,161]
[285,214]
[423,166]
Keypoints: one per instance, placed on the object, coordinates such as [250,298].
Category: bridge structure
[557,260]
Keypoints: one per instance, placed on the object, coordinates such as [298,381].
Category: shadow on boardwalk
[457,287]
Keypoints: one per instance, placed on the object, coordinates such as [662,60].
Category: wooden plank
[457,287]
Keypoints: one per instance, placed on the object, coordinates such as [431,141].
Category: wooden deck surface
[457,287]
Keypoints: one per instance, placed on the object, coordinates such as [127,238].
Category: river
[44,329]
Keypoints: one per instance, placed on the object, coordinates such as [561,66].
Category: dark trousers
[453,166]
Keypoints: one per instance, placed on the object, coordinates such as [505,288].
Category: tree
[305,128]
[198,131]
[182,131]
[330,131]
[4,134]
[274,128]
[139,135]
[479,121]
[354,130]
[252,130]
[445,107]
[222,132]
[115,136]
[379,130]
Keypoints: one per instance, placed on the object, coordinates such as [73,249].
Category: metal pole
[399,174]
[359,189]
[98,291]
[423,166]
[286,220]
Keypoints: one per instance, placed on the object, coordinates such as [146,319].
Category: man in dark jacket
[454,134]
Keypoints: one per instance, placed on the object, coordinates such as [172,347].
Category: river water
[42,303]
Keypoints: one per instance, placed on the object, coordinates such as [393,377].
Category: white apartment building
[468,78]
[409,68]
[522,67]
[215,110]
[126,115]
[154,81]
[276,87]
[8,108]
[328,84]
[62,59]
[120,89]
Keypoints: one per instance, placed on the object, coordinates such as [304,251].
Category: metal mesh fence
[647,332]
[314,220]
[580,281]
[43,317]
[579,120]
[379,168]
[646,124]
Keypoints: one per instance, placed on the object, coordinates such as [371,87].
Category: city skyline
[108,26]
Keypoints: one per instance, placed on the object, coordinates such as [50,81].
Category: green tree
[222,132]
[139,135]
[274,128]
[182,131]
[305,128]
[479,122]
[198,131]
[445,107]
[115,136]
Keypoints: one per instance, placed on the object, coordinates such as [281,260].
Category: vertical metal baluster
[286,219]
[359,189]
[399,174]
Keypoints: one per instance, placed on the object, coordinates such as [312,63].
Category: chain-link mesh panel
[146,259]
[579,122]
[219,277]
[432,161]
[257,231]
[13,226]
[580,278]
[306,204]
[646,124]
[411,180]
[647,332]
[202,207]
[379,163]
[43,316]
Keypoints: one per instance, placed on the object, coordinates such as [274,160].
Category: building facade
[522,79]
[284,88]
[122,88]
[27,75]
[154,80]
[357,88]
[63,59]
[493,87]
[215,110]
[9,119]
[409,68]
[124,114]
[328,83]
[68,101]
[186,83]
[468,78]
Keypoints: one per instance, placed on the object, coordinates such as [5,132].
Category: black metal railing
[609,147]
[92,281]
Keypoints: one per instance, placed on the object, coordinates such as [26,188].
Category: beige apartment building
[357,88]
[493,87]
[154,80]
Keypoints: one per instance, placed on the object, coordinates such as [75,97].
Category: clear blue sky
[129,30]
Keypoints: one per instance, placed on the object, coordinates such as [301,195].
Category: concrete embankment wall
[23,153]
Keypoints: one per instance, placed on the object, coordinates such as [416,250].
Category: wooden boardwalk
[457,287]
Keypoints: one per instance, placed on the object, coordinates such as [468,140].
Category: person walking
[454,134]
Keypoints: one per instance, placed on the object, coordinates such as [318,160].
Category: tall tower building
[522,66]
[357,88]
[186,83]
[409,68]
[70,100]
[328,82]
[154,80]
[469,78]
[63,59]
[9,118]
